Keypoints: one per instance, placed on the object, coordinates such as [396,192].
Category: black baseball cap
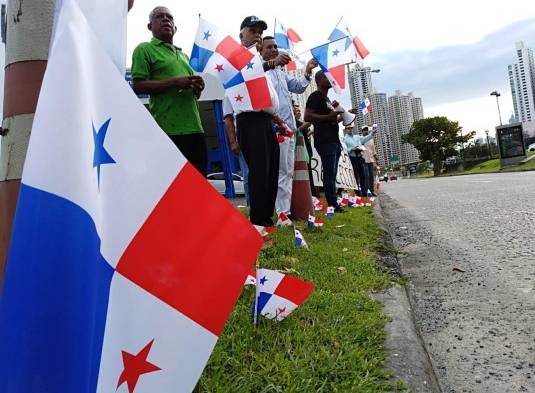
[251,21]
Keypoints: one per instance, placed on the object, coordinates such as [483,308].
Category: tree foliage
[436,138]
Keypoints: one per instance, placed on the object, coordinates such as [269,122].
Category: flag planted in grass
[300,240]
[277,294]
[314,222]
[330,212]
[283,220]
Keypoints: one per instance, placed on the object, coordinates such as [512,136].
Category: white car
[218,181]
[531,147]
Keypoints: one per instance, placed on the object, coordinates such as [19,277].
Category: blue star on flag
[100,155]
[206,35]
[250,65]
[335,52]
[263,280]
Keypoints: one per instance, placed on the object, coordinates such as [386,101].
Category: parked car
[393,177]
[531,147]
[217,180]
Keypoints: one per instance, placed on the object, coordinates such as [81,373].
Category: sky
[452,54]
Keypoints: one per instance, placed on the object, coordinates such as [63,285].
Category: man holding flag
[162,70]
[320,112]
[283,85]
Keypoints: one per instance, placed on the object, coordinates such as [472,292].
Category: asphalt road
[478,324]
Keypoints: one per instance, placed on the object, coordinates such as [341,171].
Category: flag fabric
[354,48]
[330,212]
[249,90]
[299,239]
[342,202]
[283,220]
[277,294]
[352,201]
[331,59]
[251,278]
[314,222]
[374,127]
[286,39]
[318,205]
[218,54]
[111,284]
[365,106]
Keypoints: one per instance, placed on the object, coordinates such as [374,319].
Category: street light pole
[488,144]
[496,94]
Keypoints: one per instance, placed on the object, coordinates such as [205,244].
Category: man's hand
[234,147]
[282,59]
[312,63]
[353,110]
[333,116]
[189,82]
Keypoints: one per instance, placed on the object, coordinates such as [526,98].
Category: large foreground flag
[278,294]
[217,53]
[355,49]
[331,59]
[111,284]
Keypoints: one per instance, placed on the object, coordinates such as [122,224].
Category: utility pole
[29,27]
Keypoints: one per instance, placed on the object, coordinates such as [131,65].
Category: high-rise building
[382,139]
[522,82]
[360,87]
[401,117]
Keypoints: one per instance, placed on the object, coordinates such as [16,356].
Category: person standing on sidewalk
[284,84]
[162,70]
[320,112]
[370,157]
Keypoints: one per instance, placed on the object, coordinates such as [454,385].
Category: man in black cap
[256,139]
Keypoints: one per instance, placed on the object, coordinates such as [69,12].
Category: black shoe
[338,209]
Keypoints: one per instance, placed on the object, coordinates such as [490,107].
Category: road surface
[468,244]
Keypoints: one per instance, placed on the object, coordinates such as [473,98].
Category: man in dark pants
[320,112]
[162,70]
[257,140]
[357,160]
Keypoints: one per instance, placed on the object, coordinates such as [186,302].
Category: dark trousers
[330,154]
[193,147]
[310,153]
[260,148]
[370,166]
[361,173]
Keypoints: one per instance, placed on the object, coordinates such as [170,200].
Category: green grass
[334,341]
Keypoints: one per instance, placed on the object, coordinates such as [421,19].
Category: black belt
[255,114]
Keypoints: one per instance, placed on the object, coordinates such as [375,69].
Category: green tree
[436,138]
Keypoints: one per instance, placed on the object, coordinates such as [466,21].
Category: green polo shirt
[176,111]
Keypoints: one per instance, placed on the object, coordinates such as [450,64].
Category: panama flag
[299,239]
[277,294]
[249,89]
[217,53]
[365,106]
[111,284]
[330,212]
[331,59]
[283,220]
[354,47]
[318,205]
[285,38]
[314,222]
[251,278]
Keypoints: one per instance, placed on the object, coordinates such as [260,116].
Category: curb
[407,356]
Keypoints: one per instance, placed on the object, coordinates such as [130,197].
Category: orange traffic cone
[302,205]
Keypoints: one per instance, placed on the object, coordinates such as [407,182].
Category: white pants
[286,174]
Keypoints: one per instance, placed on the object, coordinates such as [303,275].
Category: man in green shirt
[162,70]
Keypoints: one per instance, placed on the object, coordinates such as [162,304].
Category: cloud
[454,73]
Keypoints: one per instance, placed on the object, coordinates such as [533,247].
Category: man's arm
[313,117]
[298,86]
[231,134]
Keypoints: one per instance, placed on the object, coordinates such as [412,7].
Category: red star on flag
[281,310]
[238,98]
[219,67]
[135,366]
